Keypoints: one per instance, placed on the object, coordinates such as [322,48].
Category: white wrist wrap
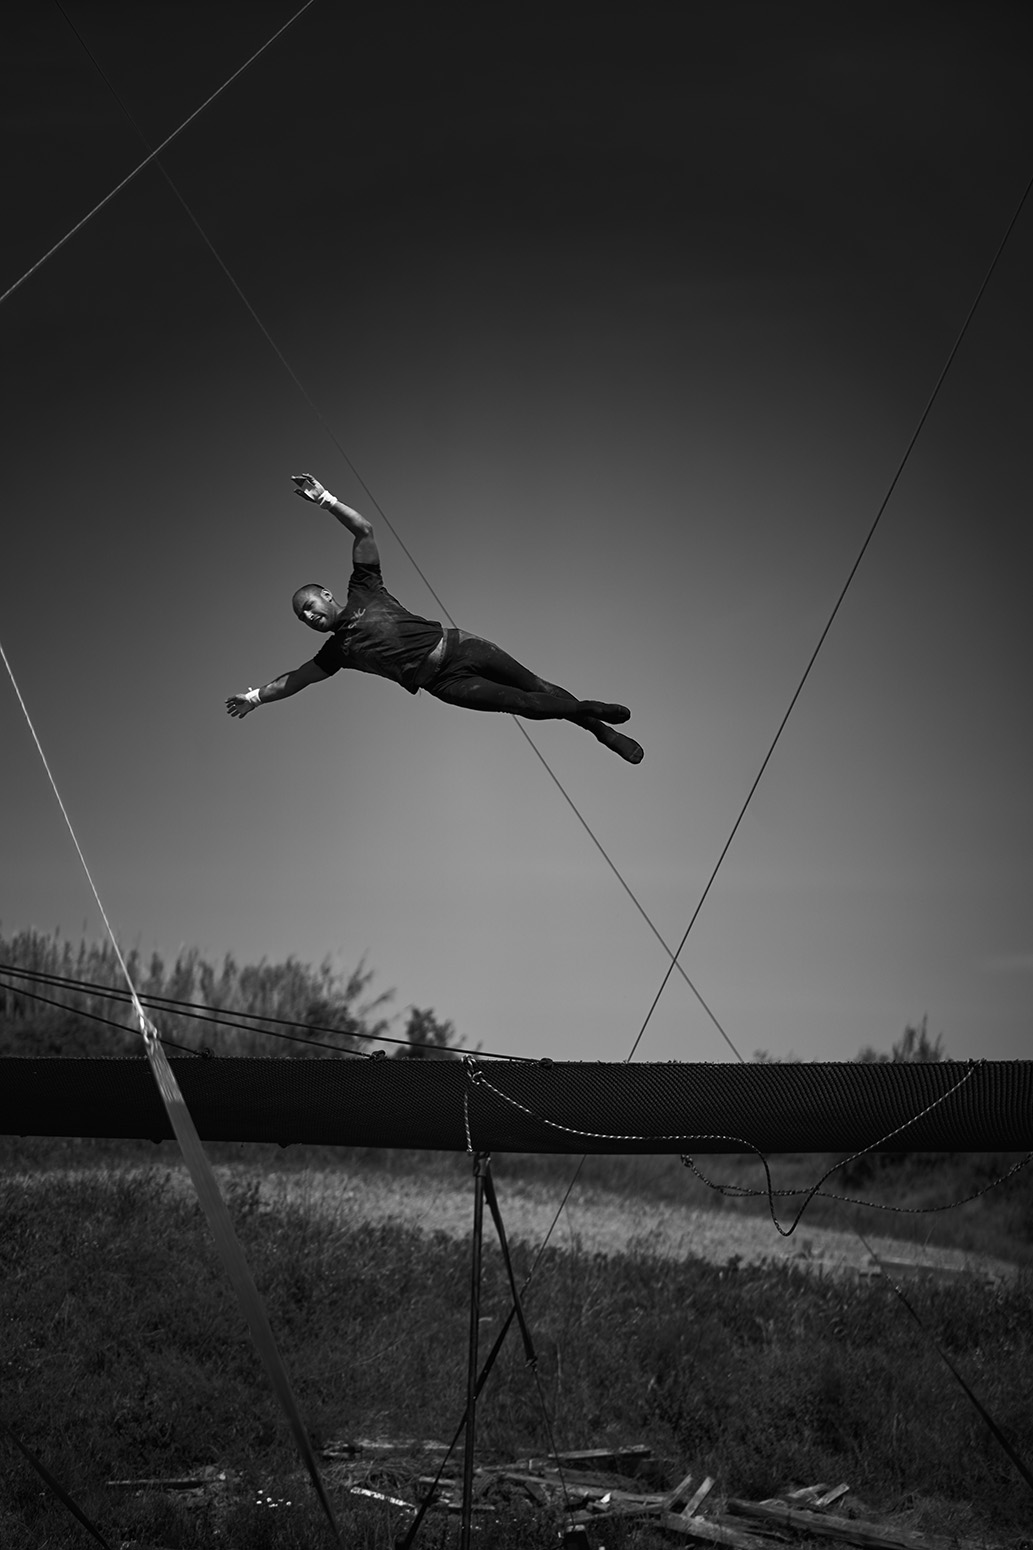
[326,499]
[252,697]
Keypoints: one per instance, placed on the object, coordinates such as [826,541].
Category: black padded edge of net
[563,1107]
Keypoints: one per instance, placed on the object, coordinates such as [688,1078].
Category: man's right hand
[308,488]
[239,705]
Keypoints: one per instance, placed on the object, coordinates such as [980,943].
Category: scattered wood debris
[588,1486]
[205,1478]
[851,1531]
[591,1485]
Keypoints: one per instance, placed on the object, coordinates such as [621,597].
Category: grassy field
[125,1355]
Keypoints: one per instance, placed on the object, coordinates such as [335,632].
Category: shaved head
[303,594]
[317,607]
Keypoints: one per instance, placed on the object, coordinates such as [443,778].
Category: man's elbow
[364,548]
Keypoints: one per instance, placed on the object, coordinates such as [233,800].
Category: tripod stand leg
[482,1163]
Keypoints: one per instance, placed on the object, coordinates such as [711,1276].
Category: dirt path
[603,1222]
[594,1221]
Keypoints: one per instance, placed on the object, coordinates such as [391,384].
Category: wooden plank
[190,1483]
[712,1533]
[379,1447]
[597,1457]
[616,1460]
[380,1496]
[571,1480]
[551,1480]
[600,1512]
[594,1480]
[813,1495]
[873,1536]
[637,1501]
[693,1506]
[674,1500]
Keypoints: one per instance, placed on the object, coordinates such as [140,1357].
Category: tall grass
[914,1197]
[305,994]
[125,1356]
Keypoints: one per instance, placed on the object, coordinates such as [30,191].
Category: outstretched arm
[364,549]
[288,683]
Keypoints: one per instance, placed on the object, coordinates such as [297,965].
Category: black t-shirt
[377,635]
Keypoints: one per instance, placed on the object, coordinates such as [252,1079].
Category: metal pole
[481,1164]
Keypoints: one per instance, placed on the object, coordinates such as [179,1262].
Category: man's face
[317,611]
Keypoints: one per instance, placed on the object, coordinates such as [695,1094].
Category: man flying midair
[373,633]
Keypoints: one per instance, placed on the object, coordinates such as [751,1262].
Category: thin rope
[674,957]
[995,1431]
[150,157]
[179,1010]
[55,1485]
[199,1012]
[530,1355]
[252,313]
[479,1078]
[203,1178]
[94,1017]
[500,1340]
[331,433]
[730,1191]
[137,1008]
[853,571]
[744,1192]
[613,868]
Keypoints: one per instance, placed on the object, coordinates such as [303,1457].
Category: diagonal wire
[920,425]
[482,1378]
[853,571]
[248,306]
[977,1404]
[628,890]
[68,824]
[93,1017]
[675,956]
[108,197]
[203,1178]
[328,428]
[223,1017]
[55,1485]
[674,963]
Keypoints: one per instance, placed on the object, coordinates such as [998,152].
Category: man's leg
[479,675]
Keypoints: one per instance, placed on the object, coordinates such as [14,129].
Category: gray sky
[625,320]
